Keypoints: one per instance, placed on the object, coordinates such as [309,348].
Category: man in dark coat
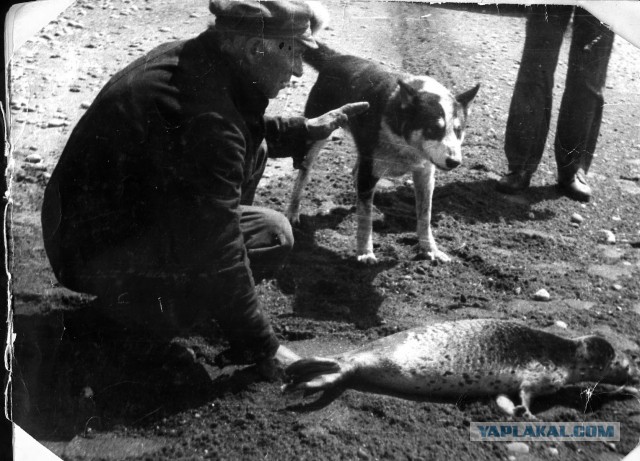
[150,202]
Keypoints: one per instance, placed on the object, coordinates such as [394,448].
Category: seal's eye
[281,46]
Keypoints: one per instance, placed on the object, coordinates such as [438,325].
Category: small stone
[56,123]
[553,451]
[518,447]
[616,287]
[561,324]
[506,405]
[542,295]
[607,236]
[164,29]
[518,290]
[85,105]
[577,218]
[384,184]
[33,158]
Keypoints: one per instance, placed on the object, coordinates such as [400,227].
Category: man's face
[274,68]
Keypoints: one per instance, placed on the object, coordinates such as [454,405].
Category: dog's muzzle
[451,163]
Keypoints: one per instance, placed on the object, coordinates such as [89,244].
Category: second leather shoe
[514,182]
[576,187]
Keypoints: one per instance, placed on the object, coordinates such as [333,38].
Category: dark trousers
[168,299]
[581,107]
[138,283]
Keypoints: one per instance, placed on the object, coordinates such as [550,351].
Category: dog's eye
[433,132]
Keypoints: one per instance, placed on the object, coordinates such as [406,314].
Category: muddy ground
[106,393]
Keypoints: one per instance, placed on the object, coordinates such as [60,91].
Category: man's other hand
[321,127]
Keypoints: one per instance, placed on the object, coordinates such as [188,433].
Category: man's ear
[254,50]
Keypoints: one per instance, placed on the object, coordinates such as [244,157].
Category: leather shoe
[576,188]
[514,182]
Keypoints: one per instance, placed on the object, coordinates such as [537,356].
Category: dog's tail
[318,57]
[319,16]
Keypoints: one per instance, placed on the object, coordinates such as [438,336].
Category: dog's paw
[433,255]
[294,218]
[367,258]
[439,256]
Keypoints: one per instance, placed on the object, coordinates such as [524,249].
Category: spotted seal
[475,358]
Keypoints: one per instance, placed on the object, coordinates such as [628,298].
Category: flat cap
[269,19]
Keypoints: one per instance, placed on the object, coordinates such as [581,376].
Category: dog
[414,124]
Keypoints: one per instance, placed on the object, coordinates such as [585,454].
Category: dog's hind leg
[293,211]
[424,182]
[365,188]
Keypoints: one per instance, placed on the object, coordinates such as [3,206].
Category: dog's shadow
[468,202]
[331,284]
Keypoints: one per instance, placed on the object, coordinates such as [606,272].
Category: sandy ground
[102,397]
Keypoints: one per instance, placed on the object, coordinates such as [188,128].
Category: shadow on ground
[77,371]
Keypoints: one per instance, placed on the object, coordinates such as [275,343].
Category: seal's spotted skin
[480,357]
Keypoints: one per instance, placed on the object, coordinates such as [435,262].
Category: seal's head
[597,360]
[622,370]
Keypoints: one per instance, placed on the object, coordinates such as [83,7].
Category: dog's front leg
[293,211]
[365,185]
[424,182]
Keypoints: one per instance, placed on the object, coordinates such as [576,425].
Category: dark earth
[87,389]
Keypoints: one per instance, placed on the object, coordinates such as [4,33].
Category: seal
[474,358]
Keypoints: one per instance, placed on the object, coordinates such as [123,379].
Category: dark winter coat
[169,143]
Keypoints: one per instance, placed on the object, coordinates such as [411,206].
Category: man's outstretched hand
[321,127]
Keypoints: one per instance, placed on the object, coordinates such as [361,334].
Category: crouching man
[150,202]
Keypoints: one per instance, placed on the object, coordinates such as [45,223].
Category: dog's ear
[407,94]
[466,97]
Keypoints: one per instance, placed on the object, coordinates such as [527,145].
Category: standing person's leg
[268,238]
[530,109]
[582,103]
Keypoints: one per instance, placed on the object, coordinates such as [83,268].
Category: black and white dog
[414,124]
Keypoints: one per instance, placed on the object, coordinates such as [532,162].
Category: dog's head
[432,120]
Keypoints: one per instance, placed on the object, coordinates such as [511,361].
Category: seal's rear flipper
[313,374]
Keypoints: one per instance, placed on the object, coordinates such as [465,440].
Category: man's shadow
[75,371]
